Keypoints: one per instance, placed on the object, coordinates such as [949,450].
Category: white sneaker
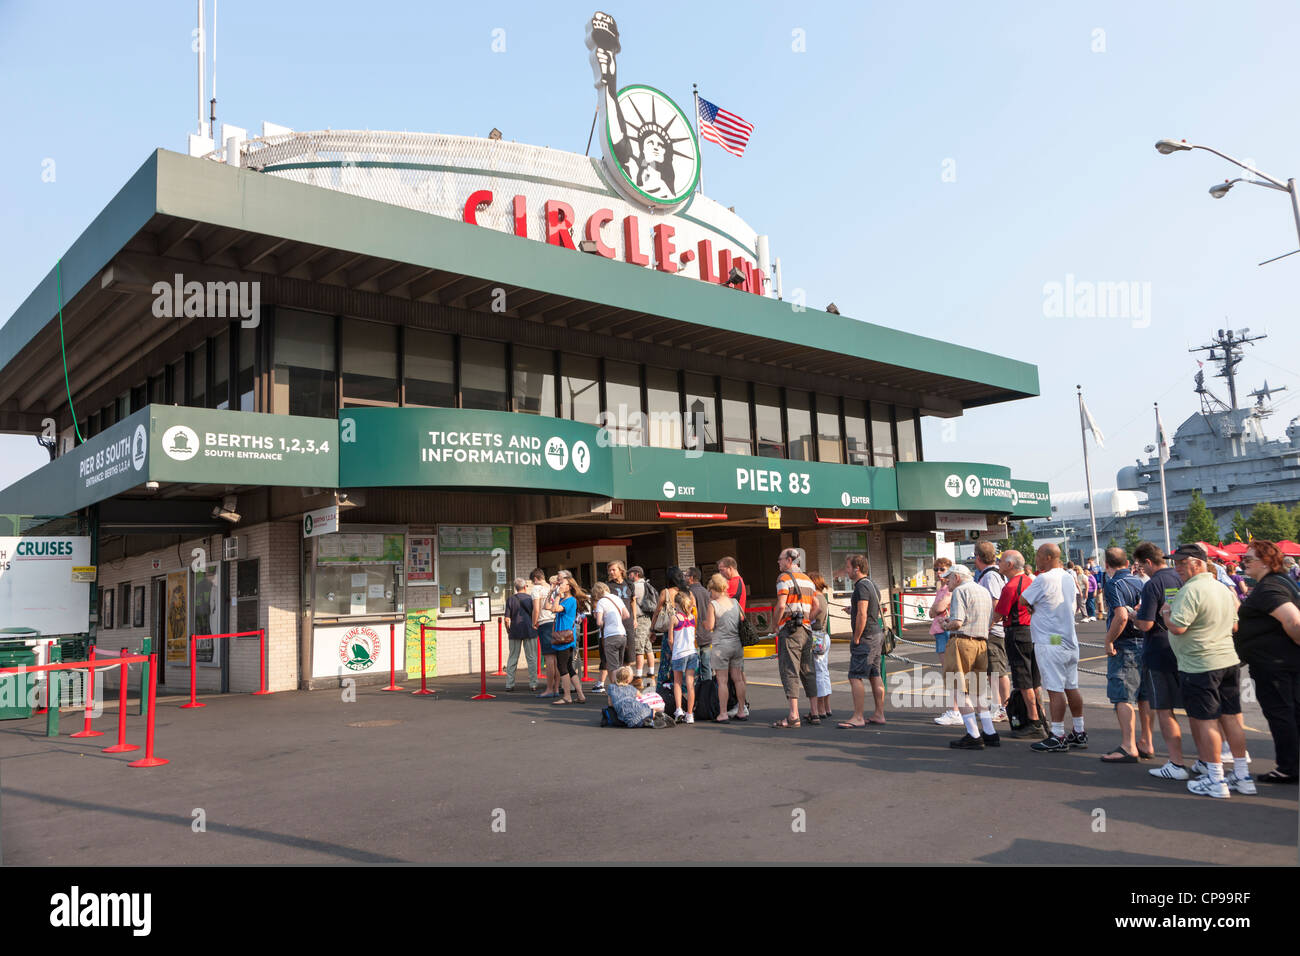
[1170,771]
[1205,787]
[1243,784]
[690,718]
[949,718]
[734,710]
[1000,715]
[745,713]
[679,714]
[1199,768]
[1227,757]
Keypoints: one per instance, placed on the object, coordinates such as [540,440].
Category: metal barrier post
[89,685]
[261,655]
[194,676]
[423,686]
[121,746]
[482,666]
[149,760]
[392,656]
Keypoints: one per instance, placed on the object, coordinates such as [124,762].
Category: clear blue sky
[1051,144]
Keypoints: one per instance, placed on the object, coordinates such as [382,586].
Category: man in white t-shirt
[1051,599]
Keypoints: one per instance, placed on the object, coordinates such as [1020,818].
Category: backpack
[649,598]
[1017,710]
[707,706]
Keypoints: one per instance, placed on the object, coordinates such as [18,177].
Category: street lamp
[1219,190]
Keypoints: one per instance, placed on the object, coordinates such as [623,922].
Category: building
[482,357]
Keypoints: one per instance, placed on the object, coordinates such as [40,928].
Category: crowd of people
[1176,637]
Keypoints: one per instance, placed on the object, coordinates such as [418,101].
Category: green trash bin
[16,690]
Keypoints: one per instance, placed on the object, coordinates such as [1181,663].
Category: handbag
[559,638]
[748,636]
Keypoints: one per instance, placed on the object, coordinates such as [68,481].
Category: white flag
[1089,424]
[1162,441]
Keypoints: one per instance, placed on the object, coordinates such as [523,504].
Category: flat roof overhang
[215,223]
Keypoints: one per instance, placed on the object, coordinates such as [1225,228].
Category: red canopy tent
[1288,547]
[1215,551]
[1237,547]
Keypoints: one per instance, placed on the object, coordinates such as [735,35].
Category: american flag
[726,129]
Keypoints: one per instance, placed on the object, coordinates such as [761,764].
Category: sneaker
[949,718]
[991,740]
[679,715]
[1032,729]
[1227,757]
[1199,769]
[1170,771]
[598,689]
[1205,787]
[743,714]
[1242,784]
[689,718]
[1052,744]
[966,742]
[1000,715]
[733,710]
[1077,741]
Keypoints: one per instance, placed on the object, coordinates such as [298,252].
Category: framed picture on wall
[106,611]
[137,607]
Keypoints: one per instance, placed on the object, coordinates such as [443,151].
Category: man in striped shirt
[794,615]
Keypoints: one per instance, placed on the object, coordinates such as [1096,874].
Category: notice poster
[419,561]
[178,630]
[414,619]
[205,616]
[361,549]
[475,579]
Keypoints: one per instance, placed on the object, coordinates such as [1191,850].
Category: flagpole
[699,185]
[1087,472]
[1160,457]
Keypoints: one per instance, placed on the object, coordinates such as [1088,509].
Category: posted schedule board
[36,586]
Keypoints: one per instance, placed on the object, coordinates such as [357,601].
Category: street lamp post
[1219,190]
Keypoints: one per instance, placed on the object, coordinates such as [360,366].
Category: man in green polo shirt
[1200,617]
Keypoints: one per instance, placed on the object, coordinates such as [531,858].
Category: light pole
[1219,190]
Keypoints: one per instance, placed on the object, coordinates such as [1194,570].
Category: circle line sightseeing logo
[359,649]
[180,442]
[650,147]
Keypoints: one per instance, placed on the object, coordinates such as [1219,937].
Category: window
[107,416]
[430,369]
[828,429]
[244,386]
[736,438]
[580,389]
[882,438]
[247,602]
[139,397]
[665,408]
[359,573]
[305,379]
[855,431]
[534,381]
[483,375]
[767,421]
[177,396]
[158,390]
[624,417]
[798,420]
[198,395]
[905,423]
[471,560]
[123,406]
[219,394]
[369,360]
[701,412]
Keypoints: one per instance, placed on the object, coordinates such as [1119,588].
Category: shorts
[1059,666]
[1124,674]
[997,652]
[564,663]
[691,662]
[965,655]
[1212,694]
[1021,660]
[611,652]
[544,631]
[1163,689]
[728,653]
[795,661]
[864,657]
[822,673]
[643,643]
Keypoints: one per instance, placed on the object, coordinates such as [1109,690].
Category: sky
[933,167]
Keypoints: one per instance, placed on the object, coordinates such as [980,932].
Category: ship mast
[1228,343]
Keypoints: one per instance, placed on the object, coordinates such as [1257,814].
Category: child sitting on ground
[624,703]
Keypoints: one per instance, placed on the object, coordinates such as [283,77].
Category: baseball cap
[958,569]
[1184,551]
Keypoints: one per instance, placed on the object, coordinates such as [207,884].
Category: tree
[1132,538]
[1271,522]
[1021,540]
[1112,543]
[1240,527]
[1200,525]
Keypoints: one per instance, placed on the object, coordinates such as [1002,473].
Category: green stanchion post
[143,709]
[52,693]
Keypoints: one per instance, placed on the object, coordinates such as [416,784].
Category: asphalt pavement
[308,777]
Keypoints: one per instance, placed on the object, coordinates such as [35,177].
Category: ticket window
[474,559]
[359,574]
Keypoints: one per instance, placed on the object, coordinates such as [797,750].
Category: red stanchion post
[121,746]
[149,760]
[585,678]
[539,657]
[482,666]
[194,677]
[392,657]
[423,688]
[501,664]
[261,654]
[89,684]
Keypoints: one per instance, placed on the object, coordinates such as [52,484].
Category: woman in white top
[612,617]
